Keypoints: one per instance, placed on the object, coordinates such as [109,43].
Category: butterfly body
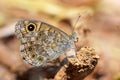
[41,42]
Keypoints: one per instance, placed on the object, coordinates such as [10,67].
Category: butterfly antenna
[74,32]
[76,24]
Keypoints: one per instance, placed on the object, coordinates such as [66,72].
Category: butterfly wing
[44,44]
[54,41]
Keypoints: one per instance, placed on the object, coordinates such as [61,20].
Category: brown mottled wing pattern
[44,44]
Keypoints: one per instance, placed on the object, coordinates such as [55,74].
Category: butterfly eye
[31,27]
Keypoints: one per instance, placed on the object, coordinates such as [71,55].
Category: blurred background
[98,27]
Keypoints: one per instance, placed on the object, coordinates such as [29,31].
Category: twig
[79,67]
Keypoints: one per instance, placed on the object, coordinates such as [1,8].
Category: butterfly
[41,42]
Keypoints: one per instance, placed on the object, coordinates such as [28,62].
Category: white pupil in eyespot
[31,27]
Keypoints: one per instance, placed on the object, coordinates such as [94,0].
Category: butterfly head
[74,37]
